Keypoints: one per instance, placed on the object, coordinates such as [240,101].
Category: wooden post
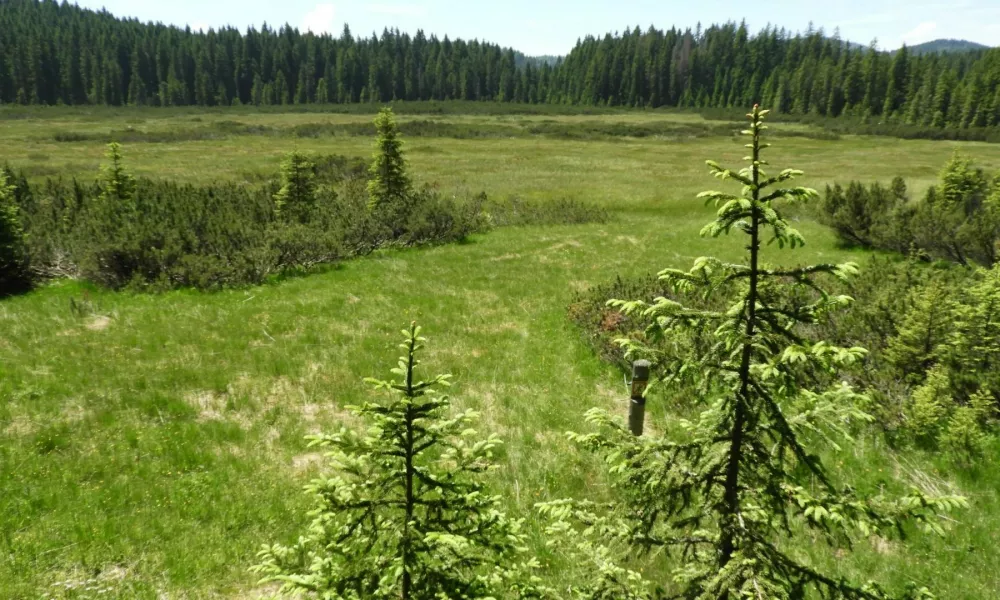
[637,402]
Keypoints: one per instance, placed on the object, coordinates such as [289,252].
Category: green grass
[152,445]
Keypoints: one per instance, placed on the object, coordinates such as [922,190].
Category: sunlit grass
[151,443]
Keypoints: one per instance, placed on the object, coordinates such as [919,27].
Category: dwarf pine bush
[155,234]
[958,219]
[13,251]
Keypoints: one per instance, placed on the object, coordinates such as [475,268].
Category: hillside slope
[943,46]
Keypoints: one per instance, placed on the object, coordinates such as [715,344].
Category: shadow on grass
[14,288]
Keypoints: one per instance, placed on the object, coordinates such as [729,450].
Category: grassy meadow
[151,443]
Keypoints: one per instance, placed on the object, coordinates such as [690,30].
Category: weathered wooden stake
[637,403]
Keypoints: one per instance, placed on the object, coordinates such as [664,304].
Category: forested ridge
[54,53]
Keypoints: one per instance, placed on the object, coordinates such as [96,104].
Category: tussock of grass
[565,211]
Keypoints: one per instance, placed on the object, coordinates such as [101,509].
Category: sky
[538,27]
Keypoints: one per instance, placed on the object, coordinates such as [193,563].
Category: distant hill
[945,46]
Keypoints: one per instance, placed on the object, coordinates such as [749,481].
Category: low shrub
[14,272]
[933,369]
[958,219]
[216,236]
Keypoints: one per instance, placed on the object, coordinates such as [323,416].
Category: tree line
[55,53]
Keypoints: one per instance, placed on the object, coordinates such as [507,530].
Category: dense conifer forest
[53,53]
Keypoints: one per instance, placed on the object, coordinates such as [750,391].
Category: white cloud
[919,34]
[404,10]
[320,19]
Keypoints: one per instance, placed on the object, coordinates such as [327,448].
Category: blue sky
[552,26]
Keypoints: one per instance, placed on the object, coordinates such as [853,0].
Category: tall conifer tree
[723,494]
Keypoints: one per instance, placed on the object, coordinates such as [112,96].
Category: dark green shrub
[860,214]
[216,236]
[957,220]
[181,236]
[14,274]
[435,218]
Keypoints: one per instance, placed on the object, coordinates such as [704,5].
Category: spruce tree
[719,66]
[928,406]
[405,514]
[119,185]
[322,93]
[725,494]
[296,198]
[112,241]
[965,435]
[116,203]
[388,182]
[13,252]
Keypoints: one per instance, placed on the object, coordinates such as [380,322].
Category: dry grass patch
[98,323]
[309,461]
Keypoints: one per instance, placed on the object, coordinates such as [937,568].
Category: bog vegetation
[713,505]
[152,234]
[769,378]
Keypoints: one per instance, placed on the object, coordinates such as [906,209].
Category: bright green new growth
[950,344]
[388,183]
[297,196]
[929,405]
[13,253]
[974,350]
[966,433]
[405,513]
[923,332]
[119,185]
[722,496]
